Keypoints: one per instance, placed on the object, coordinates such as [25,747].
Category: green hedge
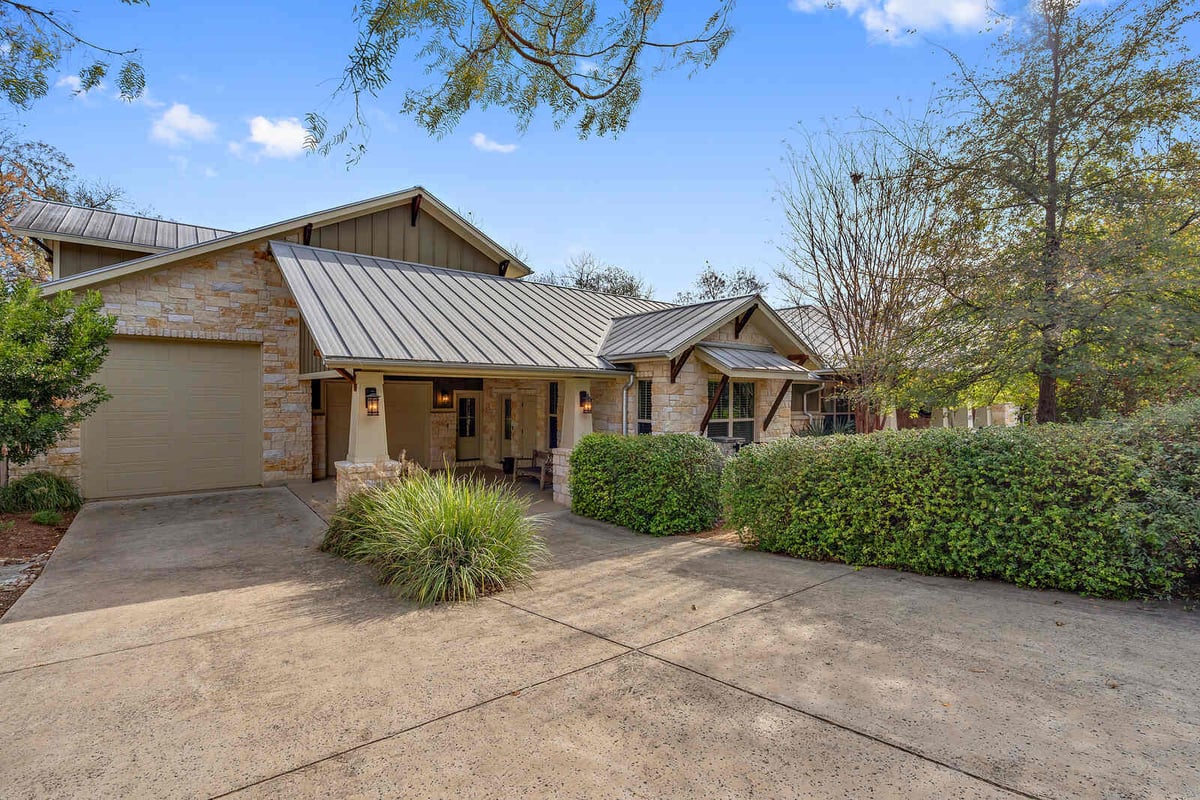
[652,484]
[1109,509]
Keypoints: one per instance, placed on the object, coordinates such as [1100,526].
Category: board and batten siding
[74,258]
[391,234]
[310,362]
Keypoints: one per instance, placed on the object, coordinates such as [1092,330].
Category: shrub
[40,491]
[46,518]
[1104,509]
[435,538]
[651,484]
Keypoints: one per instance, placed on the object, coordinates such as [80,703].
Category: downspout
[804,402]
[625,405]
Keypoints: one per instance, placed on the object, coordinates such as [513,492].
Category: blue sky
[691,180]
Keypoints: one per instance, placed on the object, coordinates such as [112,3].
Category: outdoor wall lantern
[442,399]
[585,402]
[372,397]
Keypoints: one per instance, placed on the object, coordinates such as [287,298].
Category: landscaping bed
[25,547]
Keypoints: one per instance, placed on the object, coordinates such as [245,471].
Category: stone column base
[353,477]
[560,469]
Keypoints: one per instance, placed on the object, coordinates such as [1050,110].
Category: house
[340,341]
[819,408]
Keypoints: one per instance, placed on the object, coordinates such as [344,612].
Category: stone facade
[533,392]
[443,438]
[560,471]
[353,478]
[235,295]
[319,446]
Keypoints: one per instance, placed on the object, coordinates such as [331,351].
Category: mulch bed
[25,543]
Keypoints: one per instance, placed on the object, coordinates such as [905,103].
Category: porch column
[368,435]
[575,423]
[573,426]
[367,461]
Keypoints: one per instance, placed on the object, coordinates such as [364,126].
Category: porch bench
[538,468]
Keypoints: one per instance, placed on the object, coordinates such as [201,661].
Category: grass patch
[437,538]
[46,517]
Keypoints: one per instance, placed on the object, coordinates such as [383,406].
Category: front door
[467,406]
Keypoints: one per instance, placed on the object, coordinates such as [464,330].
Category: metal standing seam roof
[128,231]
[812,326]
[663,332]
[365,309]
[743,361]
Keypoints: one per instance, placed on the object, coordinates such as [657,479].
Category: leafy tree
[37,40]
[712,284]
[1073,159]
[41,171]
[861,220]
[50,348]
[518,55]
[585,271]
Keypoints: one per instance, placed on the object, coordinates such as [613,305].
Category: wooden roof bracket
[678,362]
[787,387]
[712,404]
[740,324]
[416,209]
[503,266]
[307,234]
[348,376]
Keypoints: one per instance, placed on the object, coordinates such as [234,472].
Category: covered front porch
[367,424]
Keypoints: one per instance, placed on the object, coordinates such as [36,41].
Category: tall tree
[41,171]
[37,40]
[713,284]
[50,349]
[519,55]
[861,226]
[585,271]
[1074,156]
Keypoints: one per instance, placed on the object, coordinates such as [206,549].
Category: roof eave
[441,368]
[112,244]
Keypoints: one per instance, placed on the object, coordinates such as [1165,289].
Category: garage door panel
[184,416]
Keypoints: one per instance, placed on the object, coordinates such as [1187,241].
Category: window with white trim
[645,408]
[733,415]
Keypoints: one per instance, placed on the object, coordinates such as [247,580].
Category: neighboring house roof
[668,332]
[52,220]
[750,361]
[362,311]
[429,204]
[813,326]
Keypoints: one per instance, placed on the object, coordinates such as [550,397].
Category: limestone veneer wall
[235,295]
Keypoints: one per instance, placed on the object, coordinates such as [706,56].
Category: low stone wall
[353,477]
[560,469]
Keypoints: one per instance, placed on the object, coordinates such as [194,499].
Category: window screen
[645,407]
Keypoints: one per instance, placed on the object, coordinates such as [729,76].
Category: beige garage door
[183,416]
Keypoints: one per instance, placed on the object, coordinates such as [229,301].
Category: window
[466,417]
[736,419]
[645,408]
[553,414]
[316,395]
[508,419]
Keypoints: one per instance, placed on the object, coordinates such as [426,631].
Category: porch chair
[538,468]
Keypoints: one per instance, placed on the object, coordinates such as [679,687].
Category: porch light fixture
[442,399]
[585,402]
[372,397]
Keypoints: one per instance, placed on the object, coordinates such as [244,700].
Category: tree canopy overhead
[585,271]
[585,60]
[37,39]
[1071,156]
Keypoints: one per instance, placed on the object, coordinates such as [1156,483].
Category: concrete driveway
[200,646]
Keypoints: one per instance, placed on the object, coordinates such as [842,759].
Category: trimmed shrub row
[1107,509]
[659,485]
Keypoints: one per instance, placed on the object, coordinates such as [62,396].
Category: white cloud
[487,145]
[179,123]
[74,85]
[274,138]
[892,19]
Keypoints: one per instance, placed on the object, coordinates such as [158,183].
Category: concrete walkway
[200,646]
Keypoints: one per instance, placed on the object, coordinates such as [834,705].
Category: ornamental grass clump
[437,538]
[40,491]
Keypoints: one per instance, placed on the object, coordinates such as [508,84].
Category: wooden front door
[467,405]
